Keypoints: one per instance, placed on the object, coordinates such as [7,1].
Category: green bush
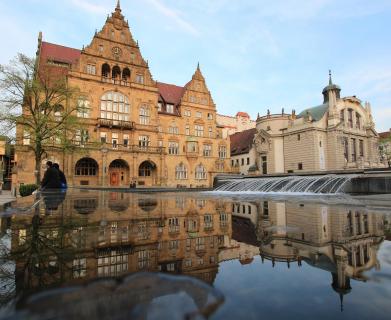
[27,189]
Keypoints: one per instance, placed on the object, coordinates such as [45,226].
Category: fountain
[323,184]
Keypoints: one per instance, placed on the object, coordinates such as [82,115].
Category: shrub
[27,189]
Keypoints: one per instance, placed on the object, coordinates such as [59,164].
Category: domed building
[338,134]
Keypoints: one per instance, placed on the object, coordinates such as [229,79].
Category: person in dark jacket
[62,176]
[51,178]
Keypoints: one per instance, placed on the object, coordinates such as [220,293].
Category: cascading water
[293,184]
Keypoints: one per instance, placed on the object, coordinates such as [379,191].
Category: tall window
[83,108]
[144,114]
[143,141]
[115,106]
[103,137]
[361,148]
[173,148]
[207,150]
[353,150]
[210,131]
[346,148]
[187,113]
[91,69]
[180,172]
[200,172]
[210,116]
[342,115]
[114,140]
[222,152]
[358,121]
[140,78]
[199,130]
[198,114]
[187,130]
[126,140]
[81,136]
[350,118]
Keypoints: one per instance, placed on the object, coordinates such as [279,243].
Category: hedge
[27,189]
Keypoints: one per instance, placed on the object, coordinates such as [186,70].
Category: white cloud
[175,16]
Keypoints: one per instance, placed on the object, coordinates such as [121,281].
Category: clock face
[116,51]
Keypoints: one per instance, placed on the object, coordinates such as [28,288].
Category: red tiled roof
[170,92]
[243,114]
[385,135]
[241,141]
[50,51]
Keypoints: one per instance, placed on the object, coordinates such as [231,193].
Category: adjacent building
[338,134]
[137,130]
[231,125]
[243,152]
[385,146]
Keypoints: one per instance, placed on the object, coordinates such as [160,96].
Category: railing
[116,123]
[118,81]
[119,147]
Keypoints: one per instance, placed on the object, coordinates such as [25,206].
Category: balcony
[192,154]
[116,123]
[116,81]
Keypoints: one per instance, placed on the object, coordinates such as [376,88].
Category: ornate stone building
[339,134]
[137,129]
[239,123]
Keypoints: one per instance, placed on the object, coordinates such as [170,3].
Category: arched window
[86,167]
[180,172]
[144,114]
[115,106]
[105,70]
[116,73]
[126,74]
[342,115]
[145,169]
[200,172]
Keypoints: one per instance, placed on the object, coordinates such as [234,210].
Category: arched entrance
[119,173]
[147,173]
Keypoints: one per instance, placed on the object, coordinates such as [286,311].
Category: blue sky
[255,54]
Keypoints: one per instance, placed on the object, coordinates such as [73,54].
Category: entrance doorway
[119,173]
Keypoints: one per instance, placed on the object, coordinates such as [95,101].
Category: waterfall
[325,184]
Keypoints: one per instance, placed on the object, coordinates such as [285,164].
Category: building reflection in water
[338,240]
[96,234]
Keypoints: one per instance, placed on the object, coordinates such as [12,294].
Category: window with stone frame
[180,172]
[198,130]
[91,69]
[143,141]
[173,129]
[207,152]
[139,78]
[126,140]
[200,172]
[210,132]
[173,148]
[114,106]
[83,108]
[358,121]
[145,115]
[187,130]
[222,152]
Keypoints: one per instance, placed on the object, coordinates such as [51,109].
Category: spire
[198,66]
[330,81]
[118,7]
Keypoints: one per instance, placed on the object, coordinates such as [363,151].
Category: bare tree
[37,107]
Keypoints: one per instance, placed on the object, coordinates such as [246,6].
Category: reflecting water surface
[264,257]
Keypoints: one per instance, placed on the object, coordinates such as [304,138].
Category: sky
[255,54]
